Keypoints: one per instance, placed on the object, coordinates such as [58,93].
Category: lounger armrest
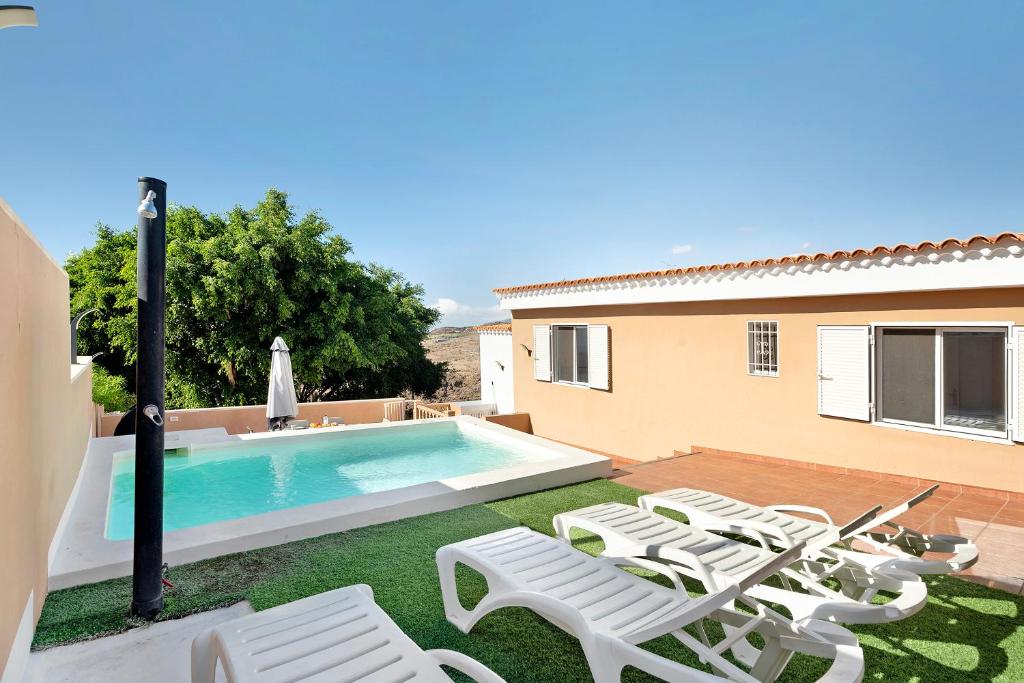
[807,509]
[862,523]
[922,496]
[686,613]
[683,558]
[894,512]
[774,566]
[466,665]
[757,531]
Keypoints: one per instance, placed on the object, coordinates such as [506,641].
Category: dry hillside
[460,348]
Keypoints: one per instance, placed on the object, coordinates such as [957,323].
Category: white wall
[496,370]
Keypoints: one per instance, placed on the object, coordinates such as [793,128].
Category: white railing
[430,411]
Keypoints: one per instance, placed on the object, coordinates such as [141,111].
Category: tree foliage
[236,281]
[111,391]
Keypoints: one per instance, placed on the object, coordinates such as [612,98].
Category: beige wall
[46,404]
[679,379]
[240,419]
[518,421]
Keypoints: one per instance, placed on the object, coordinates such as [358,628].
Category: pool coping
[85,555]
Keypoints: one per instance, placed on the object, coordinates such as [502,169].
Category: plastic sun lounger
[340,635]
[902,550]
[672,548]
[612,611]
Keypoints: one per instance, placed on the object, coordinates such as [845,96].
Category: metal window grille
[763,348]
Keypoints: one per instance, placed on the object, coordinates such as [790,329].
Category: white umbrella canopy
[281,401]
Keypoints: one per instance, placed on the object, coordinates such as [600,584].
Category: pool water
[262,475]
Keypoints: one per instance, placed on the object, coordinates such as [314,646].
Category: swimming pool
[222,482]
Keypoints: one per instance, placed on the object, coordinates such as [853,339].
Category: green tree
[236,281]
[111,391]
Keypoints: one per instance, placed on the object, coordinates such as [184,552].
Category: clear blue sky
[479,144]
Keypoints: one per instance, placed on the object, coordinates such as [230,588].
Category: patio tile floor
[997,526]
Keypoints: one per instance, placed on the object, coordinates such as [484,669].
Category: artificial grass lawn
[966,632]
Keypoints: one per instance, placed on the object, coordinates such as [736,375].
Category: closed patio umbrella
[281,402]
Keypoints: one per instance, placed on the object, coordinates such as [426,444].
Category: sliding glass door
[948,379]
[974,380]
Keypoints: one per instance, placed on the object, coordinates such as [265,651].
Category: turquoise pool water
[217,484]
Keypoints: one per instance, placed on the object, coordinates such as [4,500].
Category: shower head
[147,209]
[17,15]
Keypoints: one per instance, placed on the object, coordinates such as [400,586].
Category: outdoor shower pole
[147,568]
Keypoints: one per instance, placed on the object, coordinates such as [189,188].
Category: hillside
[460,348]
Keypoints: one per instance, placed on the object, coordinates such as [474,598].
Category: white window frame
[937,427]
[776,344]
[579,328]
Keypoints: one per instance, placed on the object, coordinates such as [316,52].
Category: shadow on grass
[966,633]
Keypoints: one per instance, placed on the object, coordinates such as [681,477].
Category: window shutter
[599,357]
[542,352]
[1017,377]
[844,371]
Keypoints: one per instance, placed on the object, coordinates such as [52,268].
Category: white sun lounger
[903,549]
[672,548]
[612,611]
[337,636]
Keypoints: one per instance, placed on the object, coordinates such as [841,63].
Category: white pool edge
[85,555]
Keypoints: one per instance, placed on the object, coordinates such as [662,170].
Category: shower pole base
[148,609]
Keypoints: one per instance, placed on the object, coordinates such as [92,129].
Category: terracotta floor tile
[887,490]
[944,493]
[914,519]
[971,510]
[1009,537]
[1012,513]
[1001,543]
[996,565]
[943,523]
[977,499]
[1009,584]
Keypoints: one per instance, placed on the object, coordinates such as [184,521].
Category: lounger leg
[458,615]
[453,609]
[772,661]
[204,660]
[604,667]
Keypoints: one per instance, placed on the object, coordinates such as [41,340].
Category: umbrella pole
[147,563]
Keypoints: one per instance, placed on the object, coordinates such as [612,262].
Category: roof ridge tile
[861,252]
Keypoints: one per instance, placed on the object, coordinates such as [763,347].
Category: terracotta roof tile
[497,327]
[881,250]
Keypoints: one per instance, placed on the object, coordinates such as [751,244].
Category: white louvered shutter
[599,357]
[844,371]
[1017,377]
[542,352]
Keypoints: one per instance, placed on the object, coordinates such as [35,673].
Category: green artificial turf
[966,633]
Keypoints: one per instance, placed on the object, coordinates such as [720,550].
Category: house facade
[902,360]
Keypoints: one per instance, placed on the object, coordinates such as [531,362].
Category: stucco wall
[517,421]
[239,419]
[46,404]
[679,378]
[496,360]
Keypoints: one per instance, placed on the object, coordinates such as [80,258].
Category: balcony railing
[395,411]
[428,411]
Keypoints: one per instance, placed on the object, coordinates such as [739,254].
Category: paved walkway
[159,653]
[997,526]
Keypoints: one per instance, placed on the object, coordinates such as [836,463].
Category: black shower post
[147,567]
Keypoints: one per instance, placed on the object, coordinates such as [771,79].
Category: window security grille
[763,348]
